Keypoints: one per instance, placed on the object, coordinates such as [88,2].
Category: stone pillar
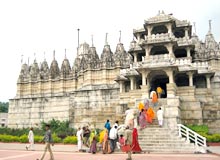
[147,52]
[143,78]
[169,28]
[138,38]
[170,74]
[208,81]
[186,32]
[190,74]
[135,57]
[149,29]
[171,86]
[131,83]
[135,84]
[188,51]
[148,87]
[121,84]
[170,48]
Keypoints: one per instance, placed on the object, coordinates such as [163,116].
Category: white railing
[191,135]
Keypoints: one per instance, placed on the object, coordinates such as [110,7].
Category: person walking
[142,119]
[79,135]
[30,140]
[48,141]
[135,147]
[113,136]
[160,117]
[107,125]
[128,142]
[105,143]
[86,135]
[159,91]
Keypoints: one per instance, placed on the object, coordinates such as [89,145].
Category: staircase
[162,140]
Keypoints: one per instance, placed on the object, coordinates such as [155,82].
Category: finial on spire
[194,25]
[92,40]
[210,25]
[22,58]
[106,37]
[44,56]
[120,36]
[34,56]
[54,55]
[78,36]
[65,53]
[28,60]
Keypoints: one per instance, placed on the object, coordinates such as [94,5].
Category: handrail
[191,135]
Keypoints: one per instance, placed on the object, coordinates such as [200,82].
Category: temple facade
[164,52]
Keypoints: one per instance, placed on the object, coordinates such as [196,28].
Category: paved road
[16,151]
[32,155]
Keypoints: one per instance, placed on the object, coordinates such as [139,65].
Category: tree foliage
[4,107]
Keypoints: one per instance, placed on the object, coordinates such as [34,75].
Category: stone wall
[29,112]
[94,104]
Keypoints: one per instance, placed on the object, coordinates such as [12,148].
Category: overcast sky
[38,26]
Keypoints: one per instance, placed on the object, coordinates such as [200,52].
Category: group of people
[147,114]
[88,138]
[127,140]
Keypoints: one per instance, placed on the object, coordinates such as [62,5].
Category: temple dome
[65,68]
[24,73]
[54,69]
[34,70]
[107,57]
[44,70]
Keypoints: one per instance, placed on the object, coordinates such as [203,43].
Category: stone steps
[163,140]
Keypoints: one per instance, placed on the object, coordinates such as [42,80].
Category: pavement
[17,151]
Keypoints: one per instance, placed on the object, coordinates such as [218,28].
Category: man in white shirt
[79,135]
[160,117]
[30,140]
[113,135]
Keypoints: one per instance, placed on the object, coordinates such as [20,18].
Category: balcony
[159,38]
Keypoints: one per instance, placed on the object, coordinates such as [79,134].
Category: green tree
[4,107]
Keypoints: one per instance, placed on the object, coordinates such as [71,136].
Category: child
[93,146]
[121,143]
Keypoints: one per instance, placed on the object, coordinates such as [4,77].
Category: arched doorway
[159,78]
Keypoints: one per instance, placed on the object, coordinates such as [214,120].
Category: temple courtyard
[16,151]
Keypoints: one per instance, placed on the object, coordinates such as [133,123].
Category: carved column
[131,83]
[147,50]
[186,32]
[208,81]
[170,48]
[190,74]
[169,28]
[188,51]
[170,74]
[122,88]
[138,38]
[135,56]
[143,78]
[149,29]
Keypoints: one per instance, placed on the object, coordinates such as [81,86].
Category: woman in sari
[135,147]
[142,119]
[105,144]
[150,115]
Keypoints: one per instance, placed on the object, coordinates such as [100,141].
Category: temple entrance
[159,79]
